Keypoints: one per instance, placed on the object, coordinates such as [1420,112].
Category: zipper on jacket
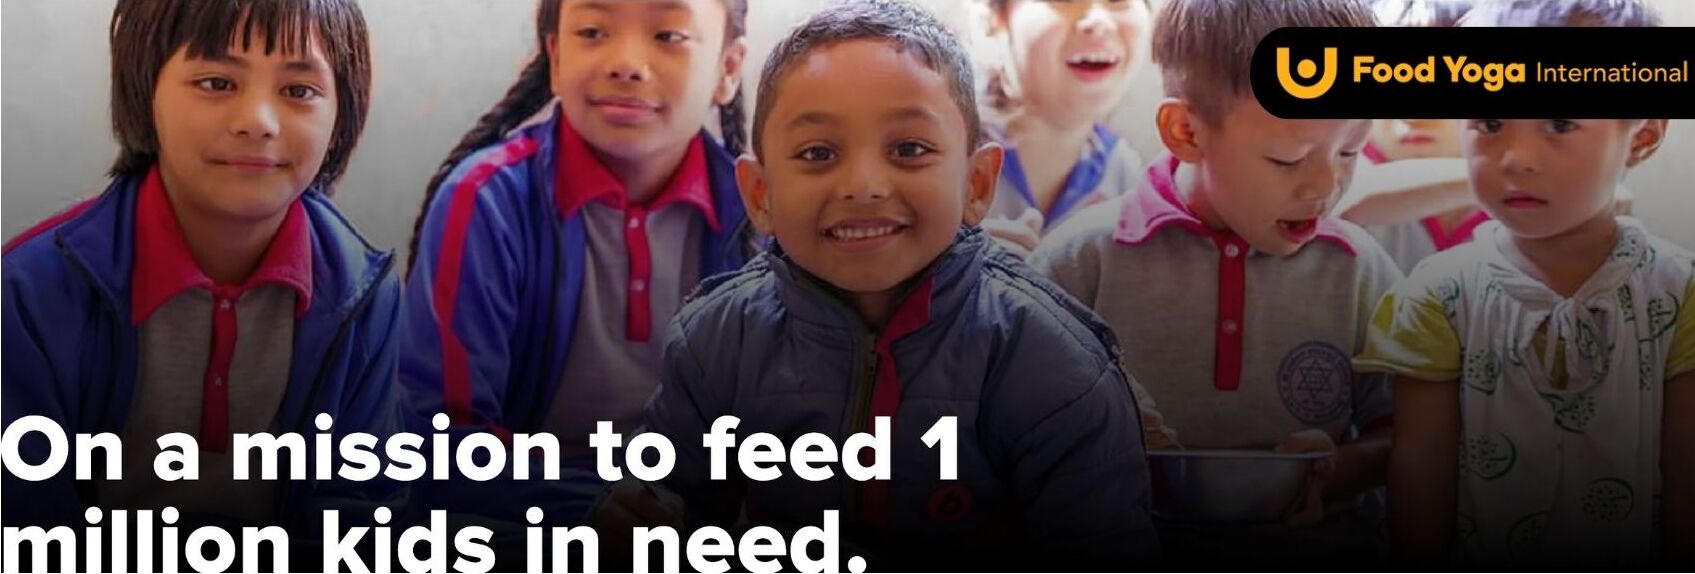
[330,352]
[88,491]
[865,374]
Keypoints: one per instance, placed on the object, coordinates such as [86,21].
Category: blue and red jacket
[71,351]
[492,303]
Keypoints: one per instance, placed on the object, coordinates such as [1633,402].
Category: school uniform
[1107,169]
[1411,242]
[1236,348]
[111,326]
[539,293]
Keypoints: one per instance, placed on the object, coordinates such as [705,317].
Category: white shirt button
[635,222]
[639,285]
[1231,327]
[218,381]
[1232,251]
[224,304]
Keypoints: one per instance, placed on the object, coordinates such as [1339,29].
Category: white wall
[439,64]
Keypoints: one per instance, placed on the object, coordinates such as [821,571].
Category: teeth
[860,233]
[1093,59]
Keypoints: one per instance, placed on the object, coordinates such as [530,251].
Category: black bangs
[147,33]
[284,25]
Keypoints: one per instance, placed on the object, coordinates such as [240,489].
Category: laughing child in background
[1068,66]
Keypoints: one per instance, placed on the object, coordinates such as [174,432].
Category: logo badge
[1306,70]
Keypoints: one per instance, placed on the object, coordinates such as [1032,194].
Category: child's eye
[302,92]
[912,149]
[816,154]
[1350,154]
[215,84]
[1486,126]
[671,37]
[1282,163]
[1561,126]
[591,33]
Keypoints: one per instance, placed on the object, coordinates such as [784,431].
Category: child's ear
[735,55]
[1646,140]
[985,176]
[1179,129]
[750,177]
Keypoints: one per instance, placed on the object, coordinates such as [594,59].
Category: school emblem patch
[1316,381]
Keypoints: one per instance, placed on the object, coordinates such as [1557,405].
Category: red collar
[1157,205]
[580,178]
[164,266]
[1445,239]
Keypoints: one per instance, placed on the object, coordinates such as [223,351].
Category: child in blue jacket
[563,233]
[212,289]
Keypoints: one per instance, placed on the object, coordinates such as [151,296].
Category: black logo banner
[1503,73]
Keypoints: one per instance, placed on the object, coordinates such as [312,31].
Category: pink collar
[1157,205]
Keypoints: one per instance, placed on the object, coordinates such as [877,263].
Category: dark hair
[1423,13]
[147,33]
[1563,13]
[534,89]
[909,28]
[1204,47]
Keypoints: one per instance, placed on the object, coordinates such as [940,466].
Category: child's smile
[242,135]
[1094,65]
[863,235]
[866,192]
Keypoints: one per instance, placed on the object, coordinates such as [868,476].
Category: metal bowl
[1228,486]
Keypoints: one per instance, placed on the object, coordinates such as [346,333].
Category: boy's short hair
[146,33]
[1563,13]
[1204,47]
[908,27]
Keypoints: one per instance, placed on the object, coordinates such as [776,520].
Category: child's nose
[1324,179]
[1097,19]
[629,62]
[864,181]
[1520,156]
[255,116]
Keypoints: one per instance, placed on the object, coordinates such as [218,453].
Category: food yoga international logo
[1506,73]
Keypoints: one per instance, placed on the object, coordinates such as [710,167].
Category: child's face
[867,173]
[242,136]
[1416,139]
[1270,180]
[1074,58]
[1543,177]
[638,77]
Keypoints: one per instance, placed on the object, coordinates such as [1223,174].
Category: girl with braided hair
[563,232]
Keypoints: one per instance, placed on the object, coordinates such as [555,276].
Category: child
[881,299]
[547,259]
[213,289]
[1411,239]
[1204,270]
[1547,364]
[1068,67]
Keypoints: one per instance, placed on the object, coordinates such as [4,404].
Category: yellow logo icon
[1306,70]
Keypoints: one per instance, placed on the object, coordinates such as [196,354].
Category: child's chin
[1277,246]
[260,206]
[866,281]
